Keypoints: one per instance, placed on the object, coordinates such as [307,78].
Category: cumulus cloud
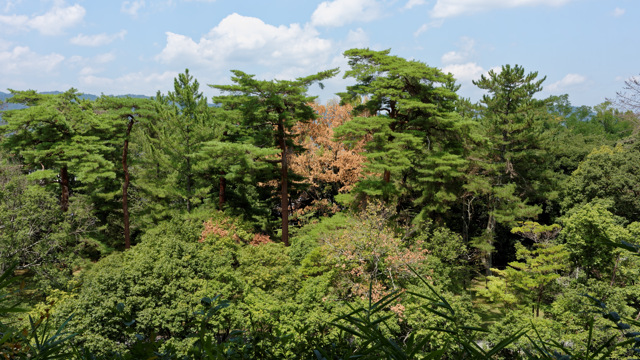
[569,80]
[132,7]
[53,22]
[98,39]
[617,12]
[341,12]
[450,8]
[464,72]
[21,60]
[241,39]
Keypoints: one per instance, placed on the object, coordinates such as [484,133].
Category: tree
[184,124]
[539,267]
[413,135]
[629,98]
[271,109]
[35,233]
[507,171]
[123,114]
[611,174]
[57,133]
[369,255]
[587,231]
[331,167]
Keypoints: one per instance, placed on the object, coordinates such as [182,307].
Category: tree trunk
[64,186]
[386,177]
[491,224]
[125,187]
[223,187]
[284,193]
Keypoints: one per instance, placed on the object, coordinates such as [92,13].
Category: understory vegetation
[400,221]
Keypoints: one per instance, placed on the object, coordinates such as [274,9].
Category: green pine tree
[415,137]
[270,109]
[507,170]
[58,138]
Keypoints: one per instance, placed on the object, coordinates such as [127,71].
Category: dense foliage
[400,221]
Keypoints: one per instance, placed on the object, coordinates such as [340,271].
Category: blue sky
[586,48]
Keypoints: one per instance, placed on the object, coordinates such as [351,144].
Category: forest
[397,221]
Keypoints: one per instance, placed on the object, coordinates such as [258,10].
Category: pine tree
[169,144]
[122,114]
[415,136]
[506,171]
[271,109]
[57,138]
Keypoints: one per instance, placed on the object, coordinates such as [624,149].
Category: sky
[585,48]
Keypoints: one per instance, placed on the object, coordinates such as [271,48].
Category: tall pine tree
[414,147]
[506,172]
[271,109]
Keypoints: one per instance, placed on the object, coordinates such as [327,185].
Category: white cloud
[98,39]
[145,84]
[450,8]
[452,57]
[57,19]
[104,58]
[412,3]
[239,39]
[21,60]
[617,12]
[341,12]
[132,7]
[53,22]
[357,38]
[14,21]
[466,49]
[464,72]
[430,25]
[569,80]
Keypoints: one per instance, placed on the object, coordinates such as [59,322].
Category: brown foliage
[326,162]
[226,228]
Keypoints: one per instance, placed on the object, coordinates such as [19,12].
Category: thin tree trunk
[64,186]
[491,224]
[386,177]
[284,193]
[615,269]
[125,187]
[223,187]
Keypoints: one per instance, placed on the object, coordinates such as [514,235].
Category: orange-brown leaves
[225,227]
[325,160]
